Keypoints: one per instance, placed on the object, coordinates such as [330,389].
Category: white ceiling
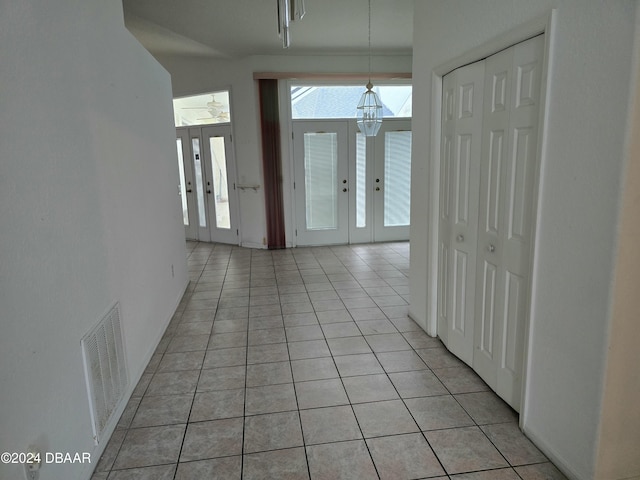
[238,28]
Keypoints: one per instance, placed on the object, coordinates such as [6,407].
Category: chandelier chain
[369,41]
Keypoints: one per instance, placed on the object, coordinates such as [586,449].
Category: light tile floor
[303,364]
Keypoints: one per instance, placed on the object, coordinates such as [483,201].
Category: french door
[208,183]
[350,188]
[392,181]
[321,182]
[488,164]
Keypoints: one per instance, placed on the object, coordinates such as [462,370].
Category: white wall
[582,161]
[89,214]
[619,445]
[192,75]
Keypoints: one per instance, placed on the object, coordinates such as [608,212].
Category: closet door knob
[460,238]
[491,248]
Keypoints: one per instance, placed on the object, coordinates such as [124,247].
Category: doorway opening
[206,163]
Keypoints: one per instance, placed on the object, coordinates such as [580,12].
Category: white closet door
[494,149]
[512,89]
[459,177]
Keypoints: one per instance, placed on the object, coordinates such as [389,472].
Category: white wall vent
[105,369]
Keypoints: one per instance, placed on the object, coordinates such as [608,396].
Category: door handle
[344,181]
[491,248]
[377,189]
[208,191]
[344,189]
[189,190]
[460,238]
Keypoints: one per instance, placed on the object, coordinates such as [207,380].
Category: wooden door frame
[541,25]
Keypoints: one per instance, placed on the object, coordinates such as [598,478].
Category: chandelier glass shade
[369,112]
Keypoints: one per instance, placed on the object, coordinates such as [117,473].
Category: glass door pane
[361,180]
[397,178]
[321,178]
[220,187]
[183,188]
[186,190]
[197,167]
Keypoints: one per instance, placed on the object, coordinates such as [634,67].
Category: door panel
[204,235]
[392,184]
[444,220]
[498,87]
[321,182]
[220,184]
[508,246]
[187,189]
[459,180]
[517,235]
[360,193]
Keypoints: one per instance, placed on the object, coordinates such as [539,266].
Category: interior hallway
[302,363]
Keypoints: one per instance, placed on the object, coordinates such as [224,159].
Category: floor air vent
[105,369]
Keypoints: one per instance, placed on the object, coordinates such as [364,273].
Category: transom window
[205,109]
[340,101]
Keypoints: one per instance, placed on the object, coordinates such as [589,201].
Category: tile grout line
[246,371]
[195,390]
[293,383]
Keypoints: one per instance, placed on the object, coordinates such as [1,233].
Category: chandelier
[369,109]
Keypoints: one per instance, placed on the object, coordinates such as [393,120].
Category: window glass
[361,180]
[220,189]
[206,109]
[183,187]
[320,175]
[197,165]
[340,101]
[397,179]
